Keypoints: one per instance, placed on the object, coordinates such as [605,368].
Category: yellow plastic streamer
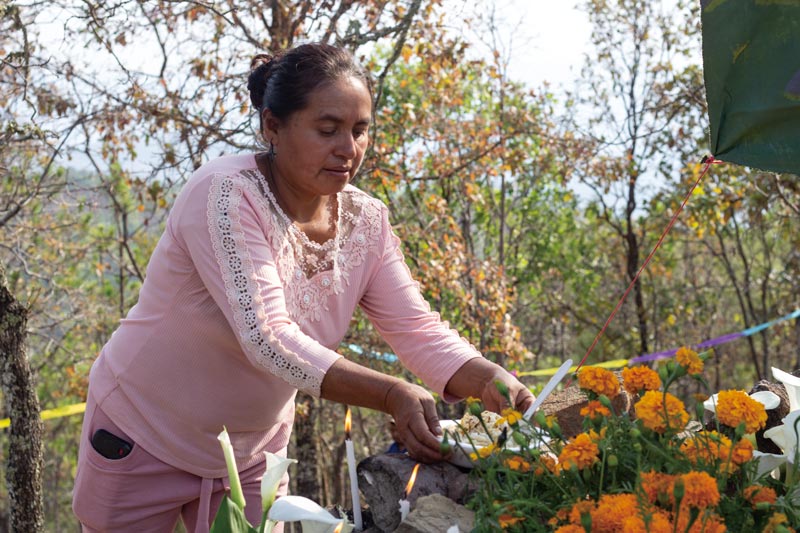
[58,412]
[616,363]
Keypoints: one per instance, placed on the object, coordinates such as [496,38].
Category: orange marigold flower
[658,411]
[742,452]
[734,406]
[597,437]
[581,452]
[580,508]
[756,494]
[612,510]
[517,463]
[658,487]
[570,528]
[507,520]
[689,360]
[706,523]
[640,378]
[560,516]
[712,448]
[777,519]
[595,409]
[700,490]
[510,416]
[547,463]
[598,380]
[484,452]
[707,447]
[657,522]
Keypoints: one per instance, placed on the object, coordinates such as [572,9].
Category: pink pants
[140,493]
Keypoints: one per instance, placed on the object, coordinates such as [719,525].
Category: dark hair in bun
[282,83]
[256,82]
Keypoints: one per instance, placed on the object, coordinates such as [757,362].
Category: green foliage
[230,518]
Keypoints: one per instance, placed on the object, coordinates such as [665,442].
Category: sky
[545,40]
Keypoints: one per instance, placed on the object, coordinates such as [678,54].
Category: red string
[708,161]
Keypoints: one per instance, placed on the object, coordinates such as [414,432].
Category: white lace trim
[312,272]
[238,274]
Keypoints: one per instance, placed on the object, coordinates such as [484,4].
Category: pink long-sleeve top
[239,310]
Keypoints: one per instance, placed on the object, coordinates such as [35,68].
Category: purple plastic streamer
[670,353]
[653,356]
[718,340]
[721,340]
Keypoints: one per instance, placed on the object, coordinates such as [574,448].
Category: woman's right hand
[414,412]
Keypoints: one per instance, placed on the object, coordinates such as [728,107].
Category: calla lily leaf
[792,385]
[230,519]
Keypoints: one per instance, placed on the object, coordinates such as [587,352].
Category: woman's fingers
[425,446]
[414,412]
[521,398]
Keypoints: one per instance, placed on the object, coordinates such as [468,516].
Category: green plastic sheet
[751,61]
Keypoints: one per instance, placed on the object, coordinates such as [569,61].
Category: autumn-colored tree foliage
[107,107]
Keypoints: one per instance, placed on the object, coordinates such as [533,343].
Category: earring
[271,154]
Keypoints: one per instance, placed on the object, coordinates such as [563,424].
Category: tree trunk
[25,453]
[306,481]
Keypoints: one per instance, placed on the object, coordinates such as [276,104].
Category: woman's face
[319,149]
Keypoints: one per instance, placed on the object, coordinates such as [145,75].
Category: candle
[351,466]
[405,505]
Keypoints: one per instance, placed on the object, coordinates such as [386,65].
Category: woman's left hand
[479,377]
[521,398]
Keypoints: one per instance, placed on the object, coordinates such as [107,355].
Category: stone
[383,478]
[566,406]
[774,416]
[437,514]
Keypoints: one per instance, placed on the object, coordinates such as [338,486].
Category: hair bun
[259,60]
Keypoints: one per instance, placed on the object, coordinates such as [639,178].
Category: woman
[250,289]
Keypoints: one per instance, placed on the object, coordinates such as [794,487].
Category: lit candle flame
[411,480]
[347,419]
[340,526]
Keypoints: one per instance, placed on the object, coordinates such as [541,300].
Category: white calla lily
[786,435]
[768,399]
[792,385]
[237,496]
[312,517]
[768,462]
[276,469]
